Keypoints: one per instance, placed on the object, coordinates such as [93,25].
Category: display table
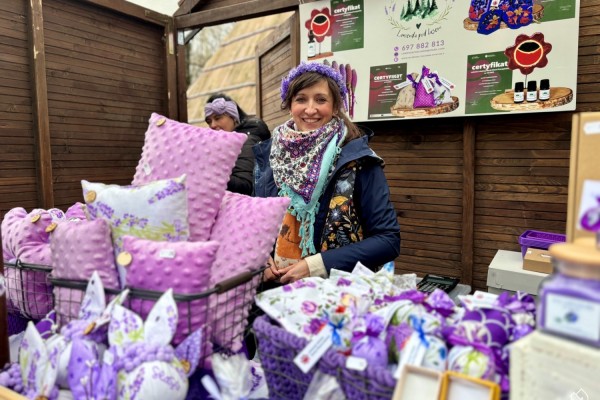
[544,367]
[506,273]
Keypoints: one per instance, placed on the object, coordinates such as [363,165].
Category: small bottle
[312,46]
[544,89]
[532,91]
[518,95]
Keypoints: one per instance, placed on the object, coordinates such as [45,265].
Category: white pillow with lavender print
[155,211]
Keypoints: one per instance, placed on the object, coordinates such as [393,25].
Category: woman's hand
[294,272]
[271,273]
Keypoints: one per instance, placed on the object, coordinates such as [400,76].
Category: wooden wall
[97,76]
[465,187]
[17,155]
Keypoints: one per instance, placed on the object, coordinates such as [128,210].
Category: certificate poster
[446,58]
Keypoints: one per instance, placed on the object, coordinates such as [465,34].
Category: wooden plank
[247,9]
[186,6]
[468,203]
[40,104]
[182,80]
[132,10]
[171,71]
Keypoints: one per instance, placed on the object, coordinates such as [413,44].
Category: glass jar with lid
[569,302]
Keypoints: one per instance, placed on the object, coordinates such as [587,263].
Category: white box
[546,367]
[506,273]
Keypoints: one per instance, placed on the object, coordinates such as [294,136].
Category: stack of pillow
[175,227]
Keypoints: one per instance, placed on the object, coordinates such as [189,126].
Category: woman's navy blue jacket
[381,231]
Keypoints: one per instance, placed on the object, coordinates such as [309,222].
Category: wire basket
[277,349]
[28,290]
[229,300]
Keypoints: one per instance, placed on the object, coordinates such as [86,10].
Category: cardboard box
[418,383]
[585,147]
[538,260]
[506,273]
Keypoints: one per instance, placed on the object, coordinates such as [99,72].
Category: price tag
[403,84]
[167,253]
[314,350]
[445,82]
[356,363]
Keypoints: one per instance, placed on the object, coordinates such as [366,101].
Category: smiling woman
[340,211]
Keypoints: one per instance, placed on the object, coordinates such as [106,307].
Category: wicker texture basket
[277,349]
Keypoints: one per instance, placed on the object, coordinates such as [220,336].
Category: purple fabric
[395,337]
[422,98]
[221,106]
[86,375]
[488,326]
[367,344]
[440,302]
[413,295]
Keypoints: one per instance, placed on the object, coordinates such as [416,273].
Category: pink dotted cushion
[76,211]
[207,157]
[157,210]
[25,237]
[247,228]
[183,266]
[79,248]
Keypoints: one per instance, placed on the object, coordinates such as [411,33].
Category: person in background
[222,113]
[340,211]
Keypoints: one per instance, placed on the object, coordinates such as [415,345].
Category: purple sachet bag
[423,98]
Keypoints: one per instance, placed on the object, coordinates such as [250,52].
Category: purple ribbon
[435,76]
[414,82]
[375,326]
[221,106]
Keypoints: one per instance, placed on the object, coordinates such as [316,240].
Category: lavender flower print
[309,307]
[315,326]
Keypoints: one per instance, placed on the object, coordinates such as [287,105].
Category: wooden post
[39,94]
[4,351]
[468,202]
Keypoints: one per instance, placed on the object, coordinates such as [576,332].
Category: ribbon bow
[221,106]
[336,327]
[417,324]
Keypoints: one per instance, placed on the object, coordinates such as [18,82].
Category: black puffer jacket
[242,176]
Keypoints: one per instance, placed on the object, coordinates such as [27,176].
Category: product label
[544,94]
[532,96]
[314,350]
[356,363]
[519,97]
[147,169]
[572,316]
[403,84]
[592,128]
[167,253]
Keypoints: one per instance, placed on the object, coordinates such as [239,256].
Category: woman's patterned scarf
[302,163]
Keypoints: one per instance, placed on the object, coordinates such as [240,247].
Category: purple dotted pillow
[207,157]
[79,248]
[26,236]
[183,266]
[247,228]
